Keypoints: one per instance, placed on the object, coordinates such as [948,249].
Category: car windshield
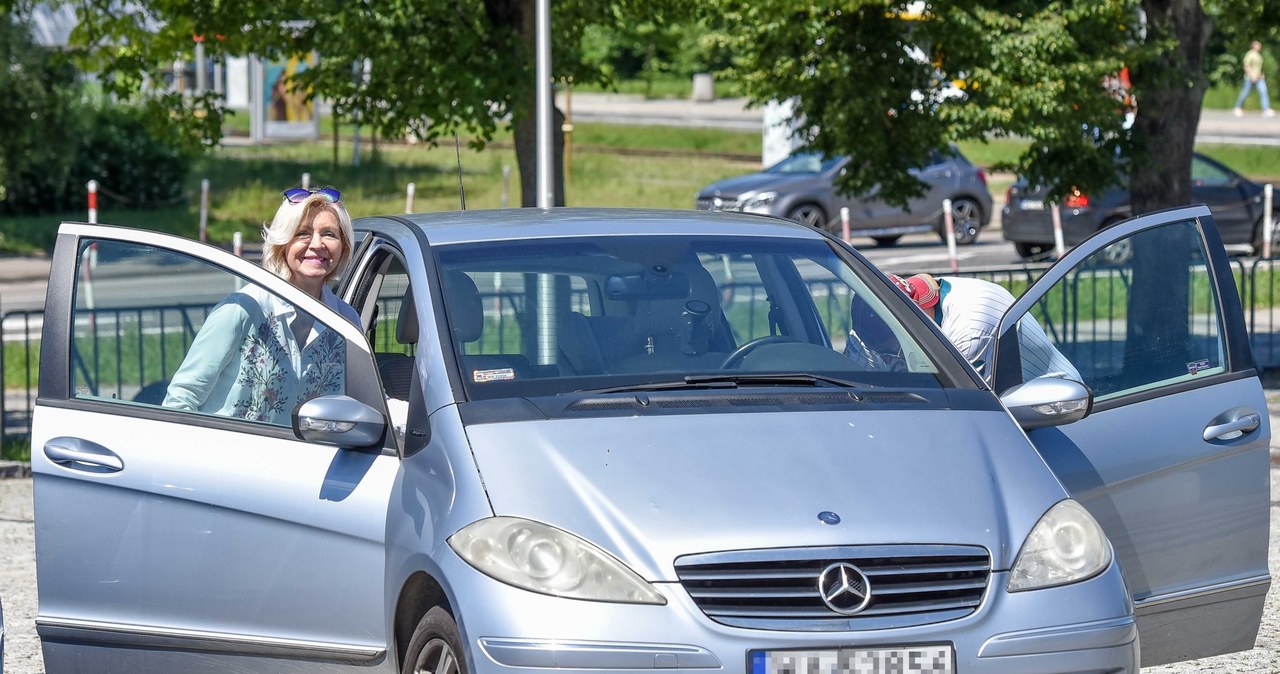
[633,312]
[805,162]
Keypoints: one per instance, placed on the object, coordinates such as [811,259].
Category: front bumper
[1086,626]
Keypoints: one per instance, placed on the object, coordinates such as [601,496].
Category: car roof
[450,227]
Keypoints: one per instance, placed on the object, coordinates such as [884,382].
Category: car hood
[756,182]
[650,489]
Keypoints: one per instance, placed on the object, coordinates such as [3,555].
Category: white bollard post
[237,244]
[1059,246]
[844,224]
[93,202]
[1268,221]
[306,181]
[204,209]
[408,197]
[506,184]
[949,224]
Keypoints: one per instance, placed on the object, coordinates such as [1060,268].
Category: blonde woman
[257,357]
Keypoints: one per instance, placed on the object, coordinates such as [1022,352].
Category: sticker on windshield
[500,374]
[1195,366]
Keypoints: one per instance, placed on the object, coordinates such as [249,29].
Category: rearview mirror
[658,282]
[1048,401]
[340,421]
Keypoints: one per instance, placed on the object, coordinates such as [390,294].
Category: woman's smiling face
[315,251]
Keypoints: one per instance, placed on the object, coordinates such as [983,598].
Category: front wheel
[809,214]
[966,220]
[436,646]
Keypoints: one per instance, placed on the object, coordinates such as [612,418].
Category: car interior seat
[396,368]
[465,310]
[679,333]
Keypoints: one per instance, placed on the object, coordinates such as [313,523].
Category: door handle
[1234,429]
[83,455]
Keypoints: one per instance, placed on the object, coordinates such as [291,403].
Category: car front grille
[716,204]
[778,589]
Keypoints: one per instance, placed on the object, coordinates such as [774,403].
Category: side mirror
[1048,401]
[338,420]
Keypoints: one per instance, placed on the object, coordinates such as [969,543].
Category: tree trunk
[1170,93]
[526,139]
[526,125]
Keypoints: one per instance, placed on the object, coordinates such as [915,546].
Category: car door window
[156,328]
[1125,329]
[1204,174]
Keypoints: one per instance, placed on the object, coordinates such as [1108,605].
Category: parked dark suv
[1235,200]
[801,187]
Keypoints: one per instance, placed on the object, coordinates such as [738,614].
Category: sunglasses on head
[298,195]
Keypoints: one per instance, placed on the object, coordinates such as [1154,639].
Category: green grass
[608,165]
[17,368]
[15,448]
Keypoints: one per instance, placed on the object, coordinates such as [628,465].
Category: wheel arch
[419,594]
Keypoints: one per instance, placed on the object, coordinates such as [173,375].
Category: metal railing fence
[119,352]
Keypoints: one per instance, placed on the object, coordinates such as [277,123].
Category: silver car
[802,188]
[611,440]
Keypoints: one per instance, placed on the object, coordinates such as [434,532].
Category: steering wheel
[735,358]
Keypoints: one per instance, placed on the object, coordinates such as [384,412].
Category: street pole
[546,181]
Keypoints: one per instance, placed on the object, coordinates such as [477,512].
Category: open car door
[1173,458]
[171,537]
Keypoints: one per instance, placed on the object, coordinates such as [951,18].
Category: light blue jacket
[245,362]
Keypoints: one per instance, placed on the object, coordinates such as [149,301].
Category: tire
[1026,250]
[1259,244]
[436,646]
[809,214]
[966,220]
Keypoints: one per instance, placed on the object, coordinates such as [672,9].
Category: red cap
[921,288]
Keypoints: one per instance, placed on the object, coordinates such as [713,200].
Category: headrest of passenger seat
[463,305]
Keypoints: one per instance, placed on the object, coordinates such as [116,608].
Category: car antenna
[457,151]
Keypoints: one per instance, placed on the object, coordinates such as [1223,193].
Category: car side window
[1137,315]
[160,329]
[1204,174]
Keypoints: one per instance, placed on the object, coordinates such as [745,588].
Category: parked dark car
[801,187]
[1236,203]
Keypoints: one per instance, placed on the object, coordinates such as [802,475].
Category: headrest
[407,324]
[465,309]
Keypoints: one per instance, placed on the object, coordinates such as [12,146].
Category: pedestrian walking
[1254,79]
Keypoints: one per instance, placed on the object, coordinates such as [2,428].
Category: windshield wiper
[788,379]
[730,381]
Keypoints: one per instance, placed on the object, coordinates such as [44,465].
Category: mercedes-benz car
[1236,203]
[802,188]
[647,441]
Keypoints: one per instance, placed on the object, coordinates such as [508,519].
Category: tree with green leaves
[870,78]
[41,112]
[436,67]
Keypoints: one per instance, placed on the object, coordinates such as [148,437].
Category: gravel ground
[22,647]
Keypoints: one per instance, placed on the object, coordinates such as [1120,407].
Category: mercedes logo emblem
[844,588]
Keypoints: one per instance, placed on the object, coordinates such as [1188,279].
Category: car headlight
[1065,546]
[761,199]
[540,558]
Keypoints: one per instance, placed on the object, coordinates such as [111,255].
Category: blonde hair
[290,217]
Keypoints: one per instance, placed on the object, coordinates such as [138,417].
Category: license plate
[1032,204]
[932,659]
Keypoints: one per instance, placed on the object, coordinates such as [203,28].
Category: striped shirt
[971,310]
